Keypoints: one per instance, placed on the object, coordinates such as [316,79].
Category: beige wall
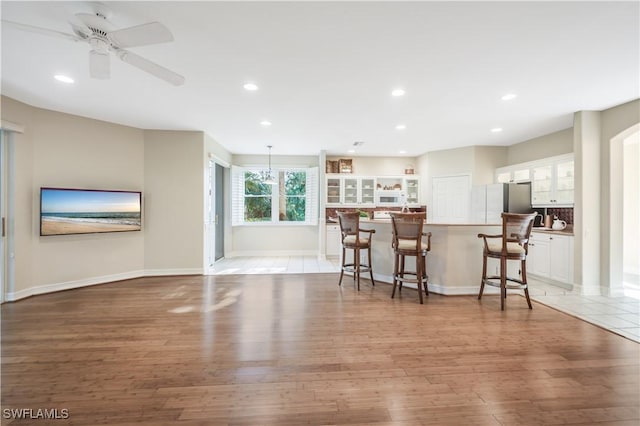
[264,240]
[557,143]
[174,175]
[617,123]
[381,166]
[62,150]
[486,160]
[215,151]
[631,212]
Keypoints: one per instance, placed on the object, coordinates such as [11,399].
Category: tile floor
[621,315]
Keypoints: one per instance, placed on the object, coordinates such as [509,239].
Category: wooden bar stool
[407,241]
[351,239]
[512,244]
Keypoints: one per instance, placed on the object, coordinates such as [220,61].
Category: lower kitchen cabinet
[332,246]
[551,256]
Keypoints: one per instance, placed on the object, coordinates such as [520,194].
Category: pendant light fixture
[268,176]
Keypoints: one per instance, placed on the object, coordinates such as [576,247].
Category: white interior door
[451,199]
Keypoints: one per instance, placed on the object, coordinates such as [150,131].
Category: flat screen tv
[65,211]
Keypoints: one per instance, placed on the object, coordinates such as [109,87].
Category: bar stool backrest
[408,228]
[349,225]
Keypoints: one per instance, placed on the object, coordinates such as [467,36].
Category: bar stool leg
[370,268]
[484,275]
[342,267]
[424,274]
[503,282]
[419,276]
[356,261]
[396,259]
[401,272]
[524,280]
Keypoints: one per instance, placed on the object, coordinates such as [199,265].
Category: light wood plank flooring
[297,349]
[620,314]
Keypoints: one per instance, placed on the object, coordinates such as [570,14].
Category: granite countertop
[567,231]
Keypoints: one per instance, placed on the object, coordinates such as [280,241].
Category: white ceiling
[326,70]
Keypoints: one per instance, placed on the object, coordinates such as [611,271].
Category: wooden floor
[298,349]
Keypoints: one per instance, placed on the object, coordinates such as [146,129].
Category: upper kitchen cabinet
[350,190]
[513,174]
[334,190]
[412,188]
[552,182]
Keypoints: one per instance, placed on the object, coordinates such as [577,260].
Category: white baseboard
[273,253]
[69,285]
[167,272]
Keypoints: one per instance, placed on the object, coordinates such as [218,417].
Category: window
[293,200]
[257,198]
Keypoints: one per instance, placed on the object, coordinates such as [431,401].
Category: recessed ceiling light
[496,129]
[402,151]
[401,127]
[351,151]
[63,78]
[250,87]
[265,123]
[398,92]
[509,96]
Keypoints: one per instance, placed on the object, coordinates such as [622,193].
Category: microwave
[390,198]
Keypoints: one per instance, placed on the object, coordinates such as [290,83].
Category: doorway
[219,212]
[215,219]
[3,216]
[631,216]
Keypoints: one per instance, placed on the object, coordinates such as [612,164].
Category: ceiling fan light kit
[103,38]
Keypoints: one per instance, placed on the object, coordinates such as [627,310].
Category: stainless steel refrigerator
[489,201]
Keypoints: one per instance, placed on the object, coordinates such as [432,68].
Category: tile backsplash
[563,213]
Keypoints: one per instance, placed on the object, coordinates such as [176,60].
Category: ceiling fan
[103,38]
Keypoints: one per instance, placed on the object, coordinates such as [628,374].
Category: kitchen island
[454,264]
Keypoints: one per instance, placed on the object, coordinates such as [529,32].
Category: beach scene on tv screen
[66,211]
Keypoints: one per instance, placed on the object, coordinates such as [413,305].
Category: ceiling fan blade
[150,67]
[99,65]
[40,30]
[141,35]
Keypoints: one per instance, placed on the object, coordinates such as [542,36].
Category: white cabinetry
[412,190]
[553,182]
[334,190]
[332,246]
[513,174]
[350,190]
[360,191]
[538,256]
[551,256]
